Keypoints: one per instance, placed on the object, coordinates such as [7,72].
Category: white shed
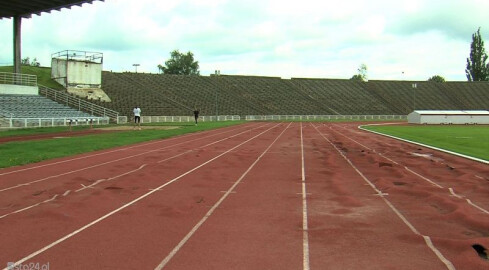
[448,117]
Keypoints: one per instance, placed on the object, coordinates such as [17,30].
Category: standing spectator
[137,117]
[196,115]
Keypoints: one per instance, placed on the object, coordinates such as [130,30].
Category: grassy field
[468,140]
[25,152]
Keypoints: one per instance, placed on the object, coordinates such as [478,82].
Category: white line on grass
[32,255]
[426,145]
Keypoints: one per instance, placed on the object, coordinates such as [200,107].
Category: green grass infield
[467,140]
[30,151]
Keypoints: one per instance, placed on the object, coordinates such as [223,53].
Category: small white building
[448,117]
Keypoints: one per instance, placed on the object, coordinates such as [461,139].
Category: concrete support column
[17,43]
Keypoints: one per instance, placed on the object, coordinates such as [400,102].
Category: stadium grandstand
[178,95]
[217,95]
[160,94]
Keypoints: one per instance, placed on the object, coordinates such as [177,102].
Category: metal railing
[159,119]
[78,103]
[323,117]
[18,79]
[213,118]
[51,122]
[94,57]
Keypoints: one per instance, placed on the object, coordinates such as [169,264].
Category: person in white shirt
[137,117]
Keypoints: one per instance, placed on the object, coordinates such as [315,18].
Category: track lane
[250,231]
[452,224]
[259,225]
[351,227]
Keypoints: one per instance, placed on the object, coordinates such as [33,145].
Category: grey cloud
[456,19]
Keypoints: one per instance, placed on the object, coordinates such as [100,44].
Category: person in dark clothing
[196,115]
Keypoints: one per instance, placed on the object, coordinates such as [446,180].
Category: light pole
[136,66]
[217,74]
[414,95]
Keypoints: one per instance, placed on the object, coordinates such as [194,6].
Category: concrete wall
[58,71]
[76,73]
[455,119]
[18,89]
[416,118]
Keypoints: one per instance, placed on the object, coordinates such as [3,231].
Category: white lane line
[209,213]
[29,207]
[468,201]
[305,227]
[427,239]
[104,163]
[122,149]
[111,178]
[204,146]
[476,206]
[424,178]
[32,255]
[453,193]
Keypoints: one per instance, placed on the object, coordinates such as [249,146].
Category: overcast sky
[396,39]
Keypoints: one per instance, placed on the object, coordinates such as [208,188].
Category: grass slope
[25,152]
[468,140]
[43,75]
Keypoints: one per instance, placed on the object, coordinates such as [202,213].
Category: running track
[254,196]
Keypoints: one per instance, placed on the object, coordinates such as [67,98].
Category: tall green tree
[437,78]
[180,64]
[362,74]
[477,69]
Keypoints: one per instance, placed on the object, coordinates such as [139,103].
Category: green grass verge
[41,130]
[468,140]
[25,152]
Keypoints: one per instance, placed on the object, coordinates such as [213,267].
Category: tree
[362,74]
[437,78]
[27,62]
[477,69]
[180,64]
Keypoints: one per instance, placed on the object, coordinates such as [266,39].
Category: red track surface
[255,196]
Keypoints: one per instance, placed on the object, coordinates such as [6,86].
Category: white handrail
[18,79]
[80,104]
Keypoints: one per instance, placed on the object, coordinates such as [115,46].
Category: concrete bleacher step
[32,106]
